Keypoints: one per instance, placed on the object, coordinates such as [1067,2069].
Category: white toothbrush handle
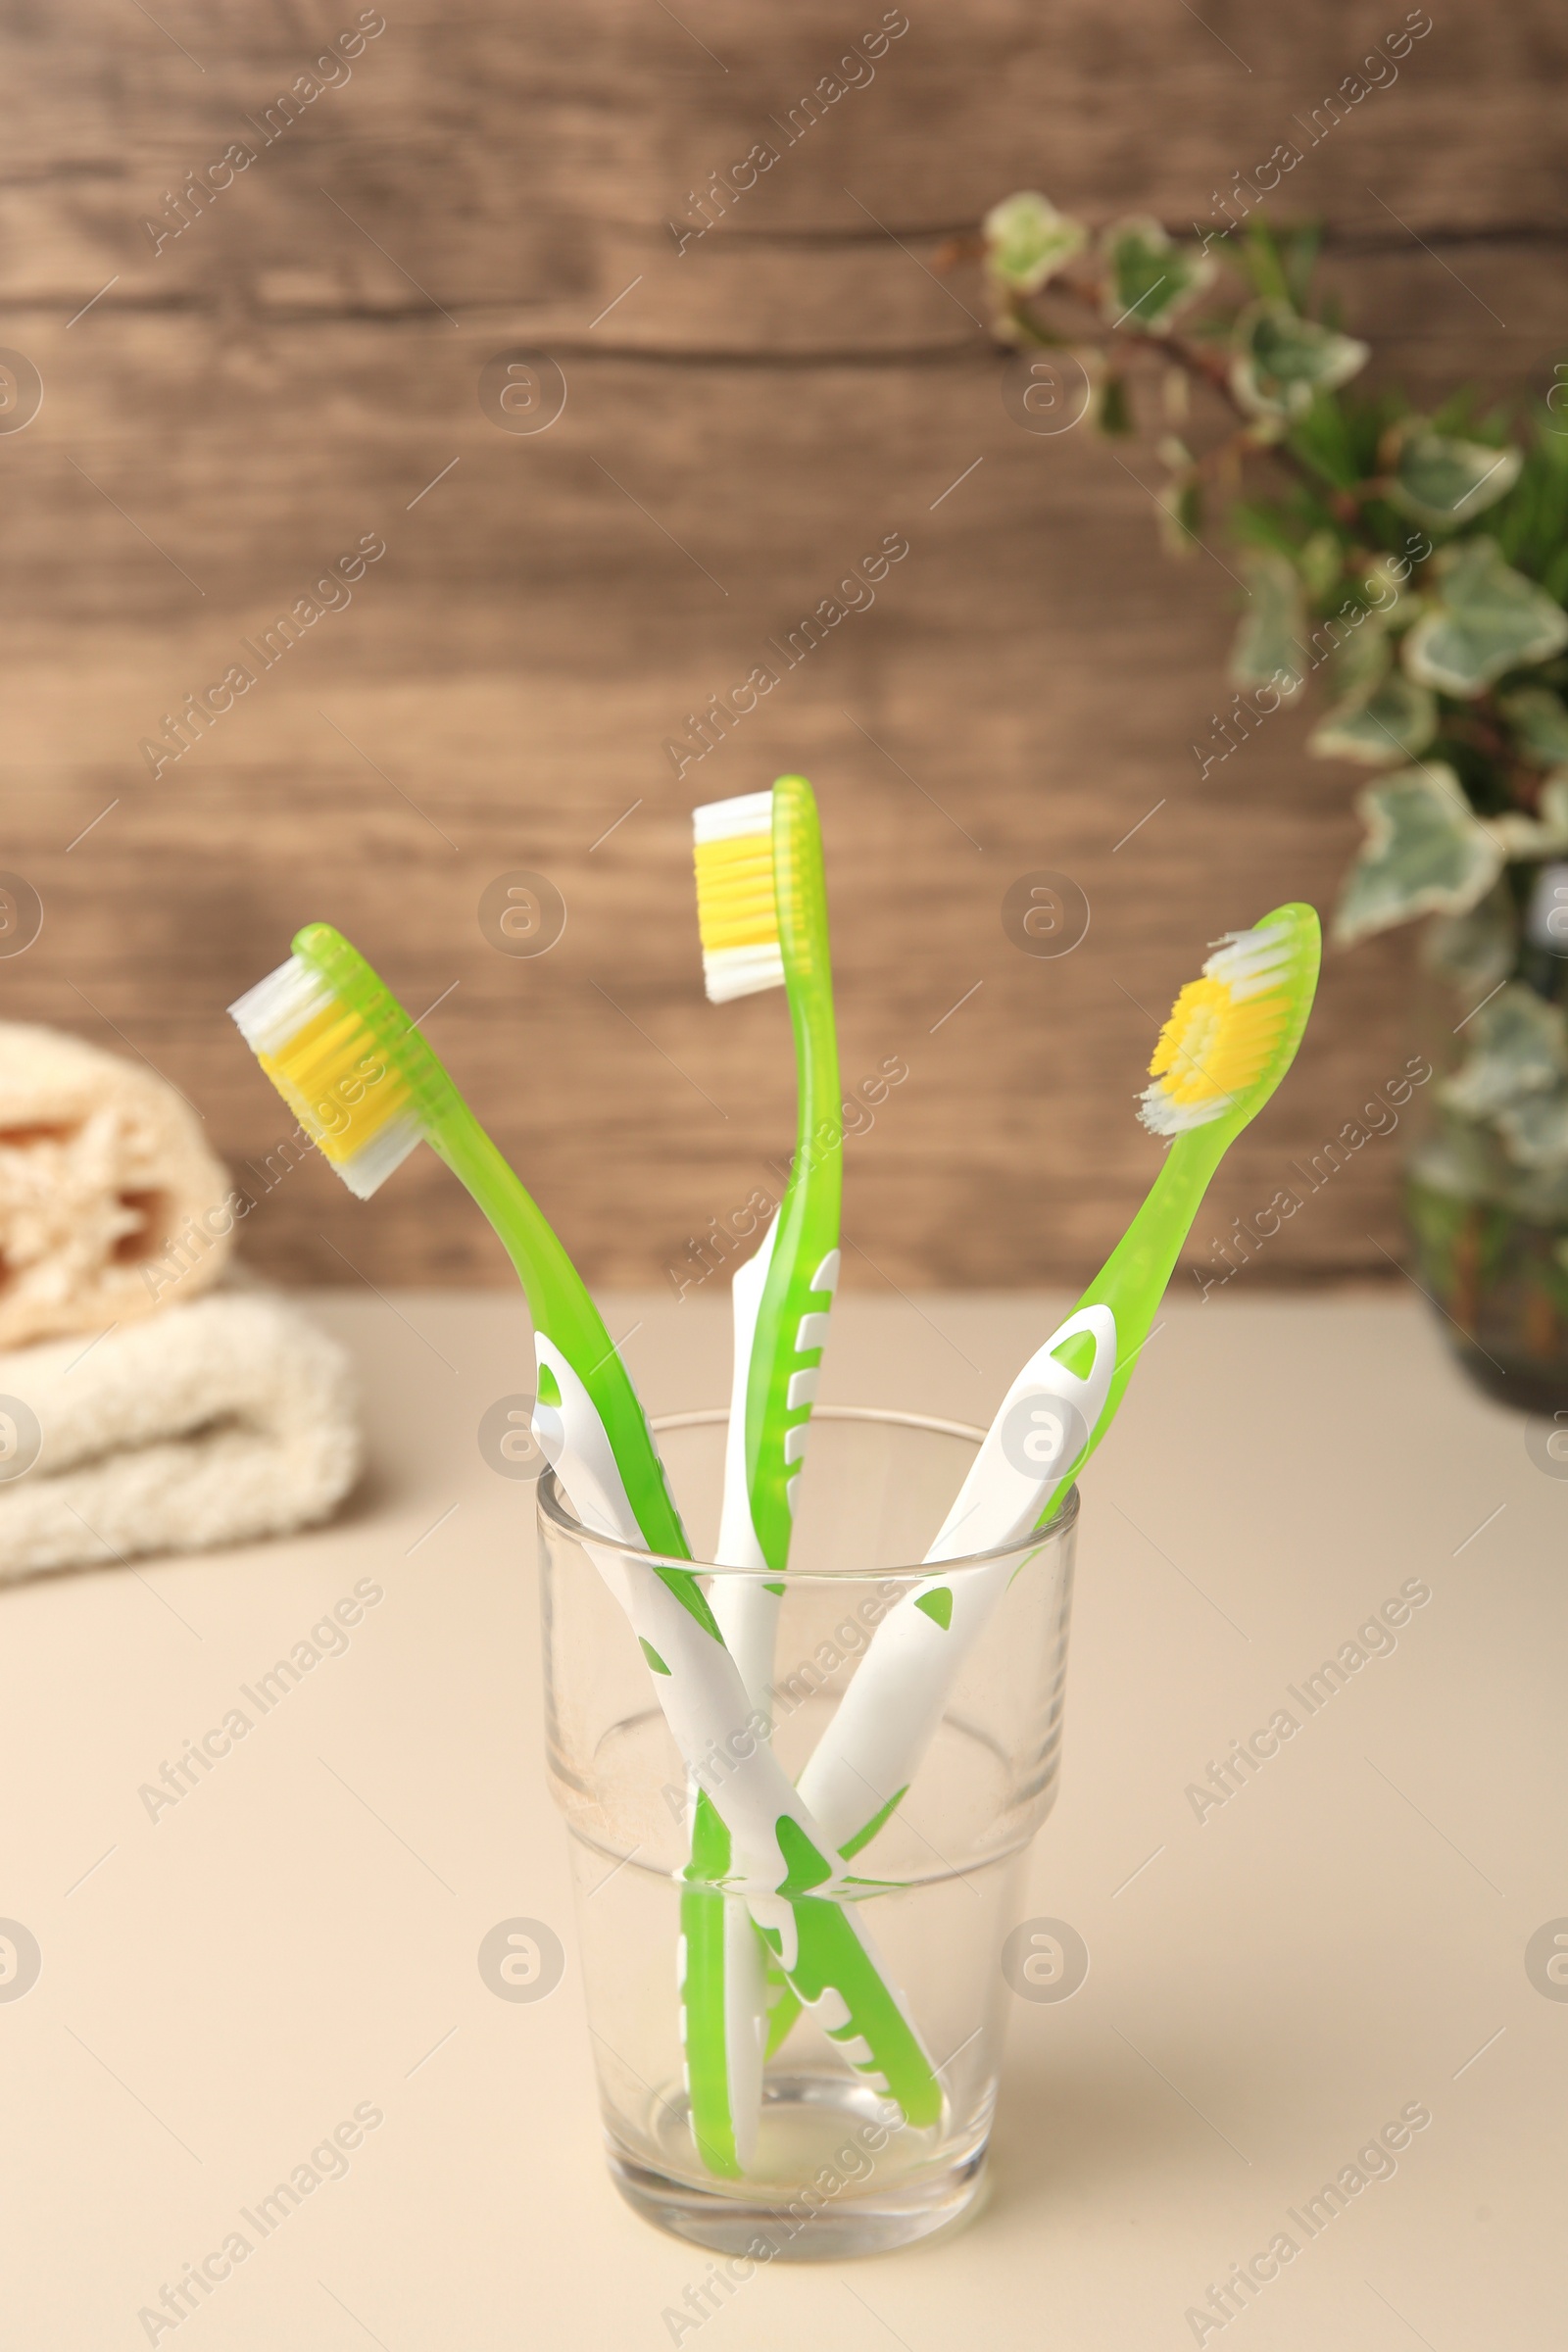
[575,1443]
[886,1721]
[774,1841]
[747,1615]
[697,1680]
[745,1608]
[708,1711]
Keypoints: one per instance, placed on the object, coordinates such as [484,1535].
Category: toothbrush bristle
[332,1072]
[737,906]
[1224,1030]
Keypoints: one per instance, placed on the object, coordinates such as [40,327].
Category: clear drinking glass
[837,2169]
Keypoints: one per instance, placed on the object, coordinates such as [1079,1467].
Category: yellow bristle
[334,1078]
[1214,1047]
[735,901]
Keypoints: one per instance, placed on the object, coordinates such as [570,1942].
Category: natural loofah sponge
[103,1169]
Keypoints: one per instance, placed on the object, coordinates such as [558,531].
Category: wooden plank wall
[745,418]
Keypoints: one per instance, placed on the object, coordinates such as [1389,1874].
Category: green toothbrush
[762,912]
[1230,1037]
[368,1088]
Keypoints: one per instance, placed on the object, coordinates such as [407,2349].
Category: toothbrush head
[1233,1033]
[345,1057]
[737,910]
[761,902]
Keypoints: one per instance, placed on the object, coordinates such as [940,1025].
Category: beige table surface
[1269,1985]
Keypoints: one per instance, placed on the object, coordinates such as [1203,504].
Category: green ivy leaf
[1459,1160]
[1359,657]
[1394,721]
[1263,263]
[1281,361]
[1269,634]
[1148,277]
[1424,850]
[1540,1195]
[1181,514]
[1476,949]
[1113,409]
[1485,618]
[1027,240]
[1540,723]
[1386,585]
[1531,527]
[1298,251]
[1517,1047]
[1535,1129]
[1447,482]
[1323,435]
[1279,264]
[1528,837]
[1322,561]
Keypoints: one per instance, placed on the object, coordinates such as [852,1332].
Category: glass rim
[552,1507]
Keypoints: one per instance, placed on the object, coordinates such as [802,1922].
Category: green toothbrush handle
[781,1304]
[562,1308]
[1132,1280]
[833,1966]
[698,1684]
[721,2041]
[769,1847]
[804,1268]
[713,2113]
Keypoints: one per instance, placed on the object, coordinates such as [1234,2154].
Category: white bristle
[729,972]
[1161,1116]
[724,821]
[277,1007]
[1250,962]
[368,1169]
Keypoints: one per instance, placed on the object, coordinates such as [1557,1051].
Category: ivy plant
[1408,569]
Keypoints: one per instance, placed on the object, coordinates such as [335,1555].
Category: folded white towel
[206,1424]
